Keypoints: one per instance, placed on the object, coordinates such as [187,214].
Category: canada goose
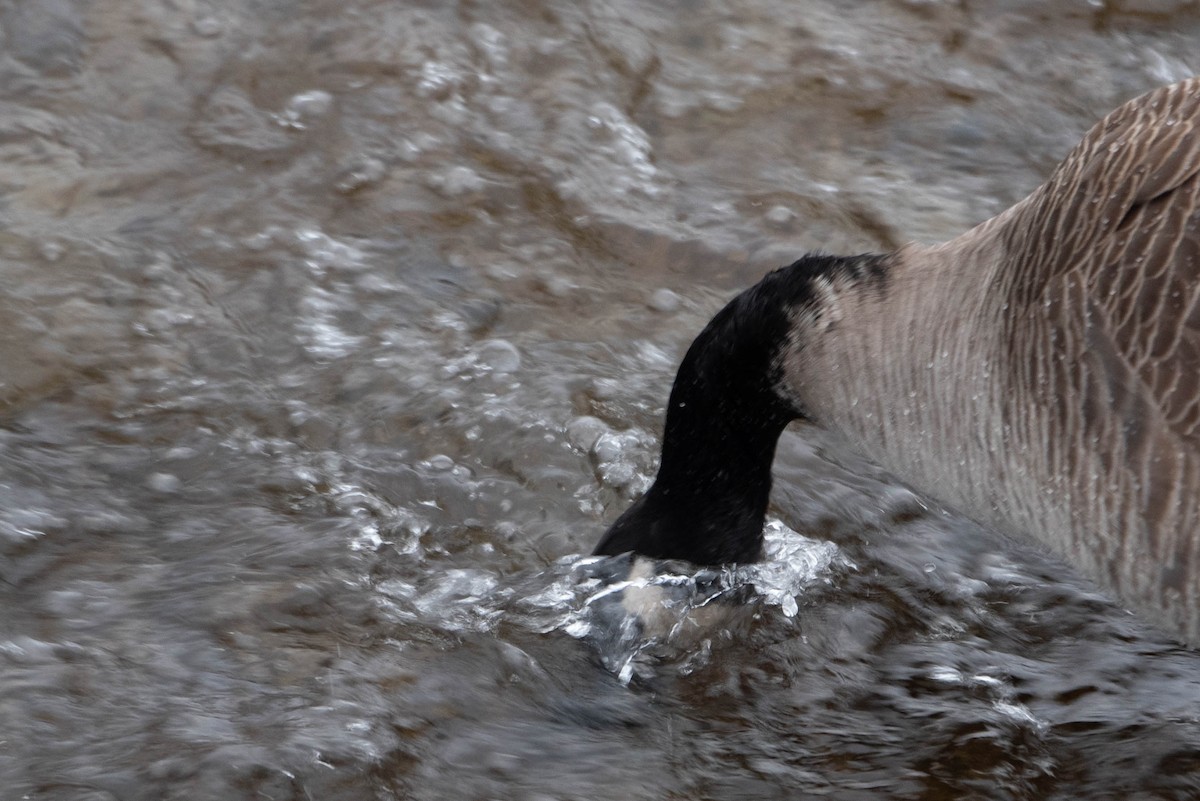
[1040,373]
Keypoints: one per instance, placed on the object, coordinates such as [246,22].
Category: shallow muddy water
[332,335]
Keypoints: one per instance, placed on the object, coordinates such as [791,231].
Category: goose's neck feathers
[727,408]
[1041,373]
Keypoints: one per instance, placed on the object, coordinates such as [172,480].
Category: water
[333,334]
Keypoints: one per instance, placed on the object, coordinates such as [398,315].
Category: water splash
[791,562]
[638,614]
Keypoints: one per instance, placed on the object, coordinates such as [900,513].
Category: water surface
[334,333]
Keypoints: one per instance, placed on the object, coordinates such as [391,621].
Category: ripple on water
[638,615]
[328,337]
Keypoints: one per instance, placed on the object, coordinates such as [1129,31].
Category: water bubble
[498,355]
[653,356]
[621,460]
[456,181]
[461,599]
[558,286]
[305,107]
[164,482]
[366,539]
[231,122]
[318,325]
[628,143]
[437,79]
[364,171]
[324,252]
[208,26]
[780,215]
[610,445]
[441,463]
[664,300]
[583,432]
[603,389]
[491,43]
[50,250]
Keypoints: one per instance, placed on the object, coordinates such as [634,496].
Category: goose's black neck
[725,414]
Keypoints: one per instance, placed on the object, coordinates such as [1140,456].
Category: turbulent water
[332,335]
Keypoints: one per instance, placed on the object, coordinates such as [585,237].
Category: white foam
[638,613]
[791,562]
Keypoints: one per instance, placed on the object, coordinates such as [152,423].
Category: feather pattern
[1042,371]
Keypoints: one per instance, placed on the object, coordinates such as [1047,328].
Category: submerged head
[727,408]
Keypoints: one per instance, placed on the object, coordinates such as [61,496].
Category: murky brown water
[332,334]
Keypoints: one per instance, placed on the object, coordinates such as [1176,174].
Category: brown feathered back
[1042,371]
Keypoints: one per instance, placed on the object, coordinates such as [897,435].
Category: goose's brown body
[1040,372]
